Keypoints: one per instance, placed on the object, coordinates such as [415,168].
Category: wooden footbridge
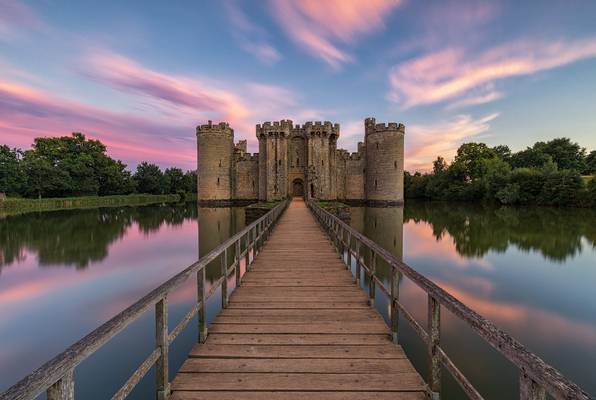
[297,326]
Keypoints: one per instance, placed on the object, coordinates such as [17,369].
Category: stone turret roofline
[371,126]
[222,127]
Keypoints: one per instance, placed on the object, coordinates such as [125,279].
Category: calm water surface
[531,271]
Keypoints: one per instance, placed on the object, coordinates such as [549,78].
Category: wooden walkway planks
[298,328]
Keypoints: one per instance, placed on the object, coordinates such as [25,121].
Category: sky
[140,75]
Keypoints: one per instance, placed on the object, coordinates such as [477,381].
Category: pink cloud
[452,73]
[425,142]
[26,113]
[317,26]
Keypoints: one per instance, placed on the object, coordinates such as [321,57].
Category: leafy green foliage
[71,166]
[547,173]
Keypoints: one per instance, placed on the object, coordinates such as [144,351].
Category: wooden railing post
[358,268]
[349,257]
[201,315]
[529,389]
[63,389]
[161,342]
[224,282]
[247,259]
[394,302]
[434,336]
[371,281]
[237,261]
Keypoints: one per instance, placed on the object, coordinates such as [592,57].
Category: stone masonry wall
[214,161]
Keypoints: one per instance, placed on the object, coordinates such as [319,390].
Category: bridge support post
[394,302]
[358,268]
[224,282]
[529,389]
[237,263]
[349,255]
[161,342]
[434,337]
[247,259]
[201,315]
[63,389]
[371,282]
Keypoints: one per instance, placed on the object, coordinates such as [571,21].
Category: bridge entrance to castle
[298,188]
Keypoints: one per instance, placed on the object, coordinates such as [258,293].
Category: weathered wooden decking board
[298,328]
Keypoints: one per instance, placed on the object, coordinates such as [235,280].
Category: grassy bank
[18,205]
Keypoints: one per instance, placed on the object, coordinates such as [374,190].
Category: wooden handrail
[536,376]
[56,376]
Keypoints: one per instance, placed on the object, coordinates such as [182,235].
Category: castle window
[322,162]
[377,145]
[217,181]
[279,162]
[220,163]
[253,184]
[395,164]
[297,162]
[375,183]
[364,171]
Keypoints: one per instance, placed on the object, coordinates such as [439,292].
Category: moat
[531,271]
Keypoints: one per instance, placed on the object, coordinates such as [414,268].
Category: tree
[503,152]
[529,158]
[439,165]
[190,182]
[11,173]
[44,179]
[564,152]
[149,179]
[174,180]
[590,163]
[469,158]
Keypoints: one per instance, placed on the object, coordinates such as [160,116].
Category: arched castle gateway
[296,160]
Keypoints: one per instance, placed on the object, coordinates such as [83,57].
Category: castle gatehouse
[301,160]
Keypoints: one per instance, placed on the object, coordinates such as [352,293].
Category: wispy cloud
[321,26]
[26,113]
[425,142]
[454,74]
[16,18]
[252,38]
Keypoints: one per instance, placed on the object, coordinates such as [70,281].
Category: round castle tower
[215,160]
[273,159]
[384,162]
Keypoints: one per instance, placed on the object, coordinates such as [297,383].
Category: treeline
[554,173]
[72,166]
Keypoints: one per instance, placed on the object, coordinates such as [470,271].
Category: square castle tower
[304,161]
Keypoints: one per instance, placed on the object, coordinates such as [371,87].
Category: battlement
[239,157]
[210,128]
[283,128]
[371,126]
[320,127]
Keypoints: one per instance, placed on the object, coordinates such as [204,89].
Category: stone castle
[296,160]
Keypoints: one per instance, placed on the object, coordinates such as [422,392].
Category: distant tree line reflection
[477,229]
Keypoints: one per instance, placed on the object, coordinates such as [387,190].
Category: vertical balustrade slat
[371,281]
[358,268]
[63,389]
[529,389]
[161,342]
[394,308]
[434,336]
[247,255]
[237,260]
[201,315]
[349,256]
[224,282]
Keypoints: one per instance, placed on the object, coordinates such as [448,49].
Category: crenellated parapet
[222,129]
[281,128]
[323,129]
[371,127]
